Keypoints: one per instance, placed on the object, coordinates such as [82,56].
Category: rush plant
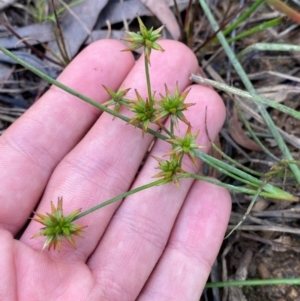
[148,111]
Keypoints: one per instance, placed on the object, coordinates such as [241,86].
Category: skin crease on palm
[158,244]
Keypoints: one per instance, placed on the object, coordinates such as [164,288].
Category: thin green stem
[151,101]
[227,169]
[257,194]
[268,47]
[180,159]
[256,29]
[244,16]
[166,131]
[172,128]
[119,197]
[254,282]
[237,189]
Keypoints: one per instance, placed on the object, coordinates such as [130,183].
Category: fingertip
[179,51]
[210,204]
[108,45]
[209,102]
[93,62]
[175,54]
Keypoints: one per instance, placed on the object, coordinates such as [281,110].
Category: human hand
[158,244]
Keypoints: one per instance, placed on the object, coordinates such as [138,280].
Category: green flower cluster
[58,226]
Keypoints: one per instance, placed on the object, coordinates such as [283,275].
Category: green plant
[41,11]
[146,112]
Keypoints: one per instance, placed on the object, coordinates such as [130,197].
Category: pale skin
[158,244]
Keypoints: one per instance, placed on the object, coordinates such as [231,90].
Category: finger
[104,164]
[32,147]
[140,228]
[7,267]
[45,279]
[183,269]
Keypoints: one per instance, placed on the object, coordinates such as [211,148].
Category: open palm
[158,244]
